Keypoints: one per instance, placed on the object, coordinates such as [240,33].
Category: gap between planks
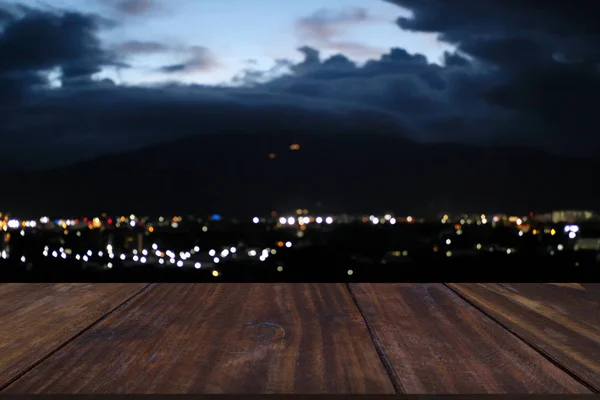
[383,357]
[75,336]
[532,345]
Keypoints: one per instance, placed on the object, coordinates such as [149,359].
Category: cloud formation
[132,7]
[35,42]
[198,59]
[131,47]
[518,77]
[324,27]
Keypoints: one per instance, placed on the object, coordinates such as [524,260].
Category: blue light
[216,217]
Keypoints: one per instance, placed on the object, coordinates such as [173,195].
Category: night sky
[79,78]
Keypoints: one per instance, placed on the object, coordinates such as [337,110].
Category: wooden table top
[169,338]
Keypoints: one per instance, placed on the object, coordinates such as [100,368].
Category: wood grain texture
[437,343]
[561,320]
[35,319]
[220,338]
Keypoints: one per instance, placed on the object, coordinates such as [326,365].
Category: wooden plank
[436,343]
[561,320]
[221,338]
[35,319]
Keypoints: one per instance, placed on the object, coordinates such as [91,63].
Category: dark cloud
[132,7]
[34,42]
[198,59]
[142,47]
[543,58]
[324,27]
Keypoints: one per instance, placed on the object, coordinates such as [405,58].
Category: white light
[145,252]
[262,258]
[508,251]
[89,253]
[100,254]
[329,220]
[197,265]
[132,223]
[64,256]
[212,253]
[520,233]
[13,224]
[233,250]
[154,246]
[109,248]
[204,229]
[319,220]
[252,253]
[256,220]
[77,257]
[288,244]
[574,228]
[172,261]
[216,260]
[478,246]
[560,247]
[54,254]
[387,217]
[23,259]
[109,265]
[180,263]
[161,261]
[135,258]
[448,241]
[291,220]
[273,251]
[306,220]
[44,220]
[143,260]
[282,220]
[85,258]
[224,253]
[123,257]
[350,272]
[196,249]
[572,235]
[375,221]
[393,221]
[22,232]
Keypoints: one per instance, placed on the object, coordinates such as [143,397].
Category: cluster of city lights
[162,257]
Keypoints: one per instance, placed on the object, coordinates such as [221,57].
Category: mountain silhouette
[235,175]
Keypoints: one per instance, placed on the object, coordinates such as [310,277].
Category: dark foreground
[299,338]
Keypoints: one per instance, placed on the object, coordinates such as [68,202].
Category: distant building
[572,216]
[587,244]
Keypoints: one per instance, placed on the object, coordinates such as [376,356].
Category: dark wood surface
[437,343]
[36,319]
[221,338]
[561,320]
[299,338]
